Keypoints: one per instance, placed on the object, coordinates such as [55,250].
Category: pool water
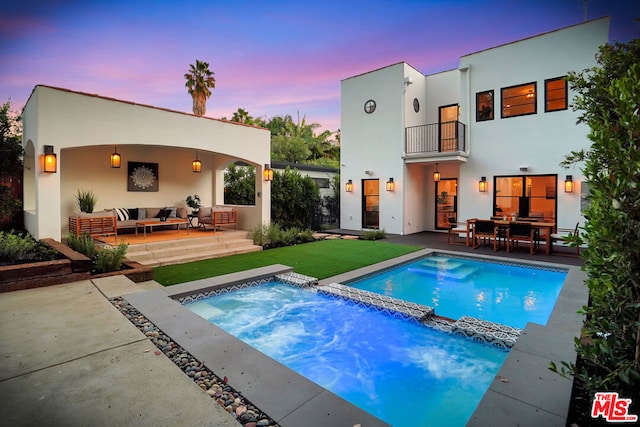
[507,294]
[401,372]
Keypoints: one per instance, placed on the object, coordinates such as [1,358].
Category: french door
[446,202]
[371,203]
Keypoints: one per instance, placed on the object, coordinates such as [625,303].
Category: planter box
[75,267]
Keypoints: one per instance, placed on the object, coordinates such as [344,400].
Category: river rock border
[217,388]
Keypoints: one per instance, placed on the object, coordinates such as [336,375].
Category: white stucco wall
[375,142]
[84,130]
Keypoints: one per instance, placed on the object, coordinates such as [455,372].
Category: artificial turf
[319,259]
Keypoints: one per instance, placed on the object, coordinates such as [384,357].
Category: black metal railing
[435,138]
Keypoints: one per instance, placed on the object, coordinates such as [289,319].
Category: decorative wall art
[142,176]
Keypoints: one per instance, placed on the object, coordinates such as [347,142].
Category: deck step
[187,250]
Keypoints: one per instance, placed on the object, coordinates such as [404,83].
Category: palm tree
[200,81]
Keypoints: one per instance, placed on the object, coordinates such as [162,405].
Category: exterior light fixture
[196,165]
[115,159]
[391,185]
[482,184]
[267,173]
[348,187]
[436,174]
[50,160]
[568,184]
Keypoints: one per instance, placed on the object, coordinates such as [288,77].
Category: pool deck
[69,357]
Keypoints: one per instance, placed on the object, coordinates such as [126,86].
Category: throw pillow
[133,213]
[122,213]
[170,212]
[142,213]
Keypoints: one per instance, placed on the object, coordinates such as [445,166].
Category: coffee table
[150,224]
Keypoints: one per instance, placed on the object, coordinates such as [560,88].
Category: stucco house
[481,140]
[83,130]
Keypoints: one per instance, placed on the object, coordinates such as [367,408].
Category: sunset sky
[269,57]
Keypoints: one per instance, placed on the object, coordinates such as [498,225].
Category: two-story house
[481,140]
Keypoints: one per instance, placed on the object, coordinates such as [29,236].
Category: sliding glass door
[527,196]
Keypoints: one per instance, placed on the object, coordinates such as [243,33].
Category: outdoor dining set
[509,232]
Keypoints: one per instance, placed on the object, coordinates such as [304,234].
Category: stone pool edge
[287,397]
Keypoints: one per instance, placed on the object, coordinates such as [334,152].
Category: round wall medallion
[143,177]
[416,105]
[370,106]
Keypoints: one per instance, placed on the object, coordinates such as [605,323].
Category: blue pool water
[506,294]
[404,373]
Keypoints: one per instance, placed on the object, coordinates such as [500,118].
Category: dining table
[543,228]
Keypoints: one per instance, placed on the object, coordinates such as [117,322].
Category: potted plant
[86,200]
[193,202]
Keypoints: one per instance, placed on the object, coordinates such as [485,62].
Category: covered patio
[83,130]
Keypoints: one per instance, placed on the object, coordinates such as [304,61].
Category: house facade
[485,139]
[164,157]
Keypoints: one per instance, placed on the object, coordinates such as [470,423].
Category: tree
[294,199]
[609,350]
[10,156]
[240,185]
[200,81]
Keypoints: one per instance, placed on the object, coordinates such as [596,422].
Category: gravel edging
[217,388]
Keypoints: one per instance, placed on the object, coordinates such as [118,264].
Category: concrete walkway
[70,358]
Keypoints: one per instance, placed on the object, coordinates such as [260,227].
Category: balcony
[436,140]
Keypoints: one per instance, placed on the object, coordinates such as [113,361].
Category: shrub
[20,248]
[275,236]
[259,235]
[83,244]
[373,234]
[110,259]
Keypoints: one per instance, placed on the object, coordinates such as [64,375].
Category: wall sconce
[436,174]
[115,159]
[267,173]
[50,160]
[348,187]
[391,185]
[482,184]
[196,165]
[568,184]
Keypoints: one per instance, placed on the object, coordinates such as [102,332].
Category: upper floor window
[484,106]
[555,94]
[518,100]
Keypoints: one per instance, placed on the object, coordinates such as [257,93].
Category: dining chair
[521,232]
[454,229]
[484,229]
[561,234]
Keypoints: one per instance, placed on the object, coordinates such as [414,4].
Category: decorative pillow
[170,212]
[142,213]
[133,213]
[122,214]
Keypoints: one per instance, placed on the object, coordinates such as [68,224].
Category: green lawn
[320,259]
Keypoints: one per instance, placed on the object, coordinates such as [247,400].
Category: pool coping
[524,392]
[284,395]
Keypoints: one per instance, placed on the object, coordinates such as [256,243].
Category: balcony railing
[435,138]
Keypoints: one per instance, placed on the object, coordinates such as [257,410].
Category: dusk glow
[270,58]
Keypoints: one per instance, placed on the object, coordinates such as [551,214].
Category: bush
[273,236]
[294,199]
[83,244]
[21,248]
[373,234]
[110,259]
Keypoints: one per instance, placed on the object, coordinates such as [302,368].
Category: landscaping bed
[73,267]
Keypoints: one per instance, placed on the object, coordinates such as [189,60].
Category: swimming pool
[397,370]
[508,294]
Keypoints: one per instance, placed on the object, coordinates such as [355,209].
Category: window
[519,100]
[555,94]
[484,106]
[370,106]
[321,182]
